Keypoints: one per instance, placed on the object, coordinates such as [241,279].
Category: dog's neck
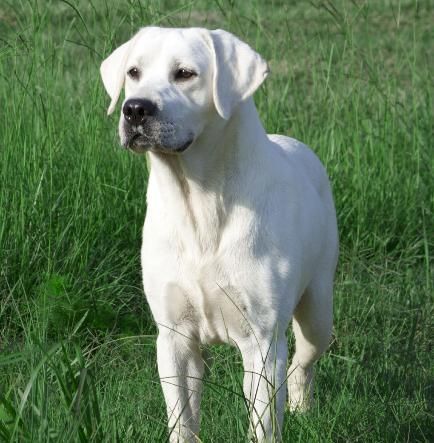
[202,185]
[224,147]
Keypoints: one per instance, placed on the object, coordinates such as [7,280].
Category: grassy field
[353,79]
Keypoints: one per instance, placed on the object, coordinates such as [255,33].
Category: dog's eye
[134,73]
[184,74]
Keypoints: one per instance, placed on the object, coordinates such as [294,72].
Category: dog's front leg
[180,368]
[265,386]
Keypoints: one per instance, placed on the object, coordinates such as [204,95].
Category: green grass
[353,79]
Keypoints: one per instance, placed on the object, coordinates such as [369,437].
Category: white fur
[240,234]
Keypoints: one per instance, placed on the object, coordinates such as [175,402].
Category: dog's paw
[300,389]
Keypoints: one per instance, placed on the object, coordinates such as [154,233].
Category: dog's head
[175,81]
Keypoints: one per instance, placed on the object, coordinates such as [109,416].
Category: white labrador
[240,234]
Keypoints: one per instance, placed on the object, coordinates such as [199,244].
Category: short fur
[240,235]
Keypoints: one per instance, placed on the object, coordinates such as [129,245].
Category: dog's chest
[214,302]
[204,295]
[206,282]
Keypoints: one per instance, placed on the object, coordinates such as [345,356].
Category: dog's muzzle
[142,130]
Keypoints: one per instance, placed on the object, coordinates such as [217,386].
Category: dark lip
[184,146]
[130,143]
[156,148]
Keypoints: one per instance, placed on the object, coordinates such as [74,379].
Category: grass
[77,342]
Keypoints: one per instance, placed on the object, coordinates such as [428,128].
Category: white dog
[240,234]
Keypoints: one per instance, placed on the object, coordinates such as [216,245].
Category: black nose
[137,109]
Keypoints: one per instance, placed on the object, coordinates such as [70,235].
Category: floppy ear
[113,70]
[238,71]
[113,75]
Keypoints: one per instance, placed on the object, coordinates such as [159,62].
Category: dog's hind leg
[312,326]
[180,367]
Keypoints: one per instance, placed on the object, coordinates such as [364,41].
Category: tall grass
[351,79]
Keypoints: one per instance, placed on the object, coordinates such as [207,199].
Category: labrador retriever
[240,235]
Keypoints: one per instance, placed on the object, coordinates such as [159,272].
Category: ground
[77,343]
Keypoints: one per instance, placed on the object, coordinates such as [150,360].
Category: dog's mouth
[140,143]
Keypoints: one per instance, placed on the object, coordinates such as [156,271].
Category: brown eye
[134,73]
[184,74]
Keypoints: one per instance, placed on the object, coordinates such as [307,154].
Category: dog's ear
[238,71]
[113,75]
[113,70]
